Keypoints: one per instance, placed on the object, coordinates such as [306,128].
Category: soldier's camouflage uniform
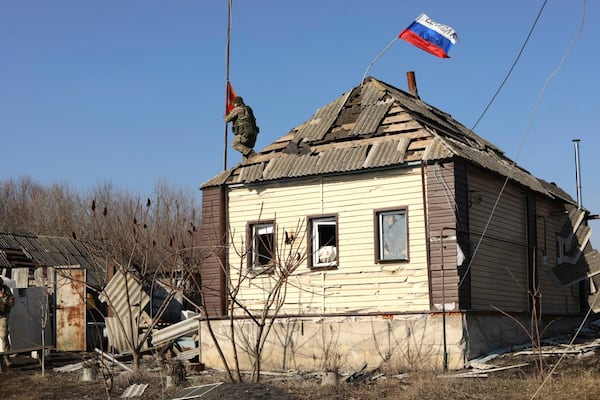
[244,128]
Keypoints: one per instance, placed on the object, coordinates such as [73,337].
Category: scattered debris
[481,371]
[71,367]
[562,349]
[362,375]
[113,360]
[353,377]
[134,390]
[195,392]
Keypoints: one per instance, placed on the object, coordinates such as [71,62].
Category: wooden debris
[113,360]
[481,372]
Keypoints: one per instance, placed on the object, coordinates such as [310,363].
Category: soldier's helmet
[238,101]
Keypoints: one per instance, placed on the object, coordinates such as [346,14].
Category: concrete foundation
[344,343]
[398,342]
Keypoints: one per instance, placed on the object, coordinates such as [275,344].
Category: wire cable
[528,128]
[512,67]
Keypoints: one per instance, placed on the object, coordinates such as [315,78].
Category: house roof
[26,250]
[375,126]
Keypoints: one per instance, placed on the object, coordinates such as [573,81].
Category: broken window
[392,238]
[262,249]
[323,251]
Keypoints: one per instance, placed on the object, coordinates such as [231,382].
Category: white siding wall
[358,284]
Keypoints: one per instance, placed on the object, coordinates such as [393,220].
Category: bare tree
[140,243]
[285,260]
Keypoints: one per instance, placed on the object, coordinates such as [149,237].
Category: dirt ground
[576,377]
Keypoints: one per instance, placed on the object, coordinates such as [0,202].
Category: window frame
[378,215]
[252,253]
[313,223]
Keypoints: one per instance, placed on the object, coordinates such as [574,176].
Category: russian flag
[430,36]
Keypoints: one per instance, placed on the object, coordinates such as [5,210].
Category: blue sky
[132,92]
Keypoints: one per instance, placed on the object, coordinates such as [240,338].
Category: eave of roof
[25,250]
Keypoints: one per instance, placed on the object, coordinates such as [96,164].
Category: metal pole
[444,295]
[229,3]
[577,172]
[443,300]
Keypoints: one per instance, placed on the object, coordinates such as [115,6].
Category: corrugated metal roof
[3,260]
[372,126]
[320,123]
[370,118]
[125,295]
[371,94]
[45,250]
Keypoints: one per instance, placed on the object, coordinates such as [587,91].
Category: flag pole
[377,58]
[227,78]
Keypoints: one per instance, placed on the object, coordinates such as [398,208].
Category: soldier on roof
[244,128]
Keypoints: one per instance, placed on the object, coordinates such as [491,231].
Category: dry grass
[581,385]
[574,379]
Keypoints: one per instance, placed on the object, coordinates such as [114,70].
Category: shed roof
[27,250]
[374,126]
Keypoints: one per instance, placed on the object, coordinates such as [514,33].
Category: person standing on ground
[244,128]
[7,301]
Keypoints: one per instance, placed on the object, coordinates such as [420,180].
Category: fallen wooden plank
[481,373]
[114,360]
[465,375]
[507,367]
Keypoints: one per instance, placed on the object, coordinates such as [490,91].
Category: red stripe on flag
[416,40]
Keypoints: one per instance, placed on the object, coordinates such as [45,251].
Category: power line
[512,67]
[531,119]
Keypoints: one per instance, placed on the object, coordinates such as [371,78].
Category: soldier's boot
[247,156]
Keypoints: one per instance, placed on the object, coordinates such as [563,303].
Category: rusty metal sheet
[70,310]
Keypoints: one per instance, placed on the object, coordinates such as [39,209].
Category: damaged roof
[375,126]
[27,250]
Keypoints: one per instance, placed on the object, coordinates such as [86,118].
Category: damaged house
[49,277]
[420,242]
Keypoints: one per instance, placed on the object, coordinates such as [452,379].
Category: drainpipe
[577,172]
[444,295]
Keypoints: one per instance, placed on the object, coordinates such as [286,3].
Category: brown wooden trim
[531,232]
[213,241]
[462,220]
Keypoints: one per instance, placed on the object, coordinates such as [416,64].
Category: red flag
[229,98]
